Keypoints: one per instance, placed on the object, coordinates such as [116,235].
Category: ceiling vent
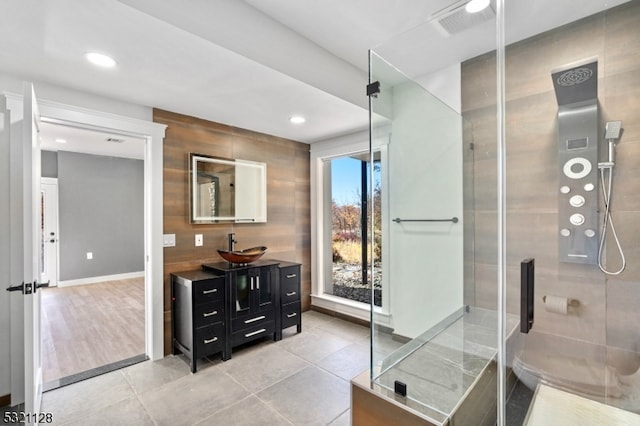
[455,19]
[114,140]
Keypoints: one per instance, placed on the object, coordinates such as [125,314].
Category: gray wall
[49,164]
[101,205]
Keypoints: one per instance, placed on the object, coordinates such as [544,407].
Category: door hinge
[373,89]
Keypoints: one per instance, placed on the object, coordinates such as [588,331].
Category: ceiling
[251,63]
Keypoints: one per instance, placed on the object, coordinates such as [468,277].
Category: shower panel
[576,91]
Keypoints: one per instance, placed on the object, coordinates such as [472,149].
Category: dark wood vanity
[225,305]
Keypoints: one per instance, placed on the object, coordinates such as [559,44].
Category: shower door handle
[527,294]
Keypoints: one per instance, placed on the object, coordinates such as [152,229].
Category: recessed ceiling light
[297,119]
[60,140]
[476,5]
[100,59]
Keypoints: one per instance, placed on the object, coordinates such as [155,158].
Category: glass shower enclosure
[474,202]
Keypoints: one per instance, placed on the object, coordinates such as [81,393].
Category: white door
[25,259]
[49,231]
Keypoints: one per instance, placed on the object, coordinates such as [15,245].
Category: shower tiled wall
[609,311]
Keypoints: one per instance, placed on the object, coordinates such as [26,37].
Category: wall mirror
[226,190]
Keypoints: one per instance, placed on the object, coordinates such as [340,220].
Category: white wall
[11,84]
[445,85]
[425,182]
[50,92]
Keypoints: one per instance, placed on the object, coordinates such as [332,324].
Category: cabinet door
[264,287]
[242,292]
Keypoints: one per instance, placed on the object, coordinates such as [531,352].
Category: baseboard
[5,400]
[93,280]
[340,315]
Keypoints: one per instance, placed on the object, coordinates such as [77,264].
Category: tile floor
[301,380]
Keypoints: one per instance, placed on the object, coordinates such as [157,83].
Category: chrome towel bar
[453,219]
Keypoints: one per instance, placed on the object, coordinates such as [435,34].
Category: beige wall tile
[532,173]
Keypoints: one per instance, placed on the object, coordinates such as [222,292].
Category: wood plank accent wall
[287,232]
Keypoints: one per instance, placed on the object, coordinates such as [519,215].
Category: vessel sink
[243,256]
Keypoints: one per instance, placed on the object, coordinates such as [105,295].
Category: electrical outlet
[199,240]
[89,255]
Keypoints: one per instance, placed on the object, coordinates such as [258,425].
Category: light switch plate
[89,255]
[169,240]
[198,240]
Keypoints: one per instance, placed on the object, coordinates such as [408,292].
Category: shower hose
[608,222]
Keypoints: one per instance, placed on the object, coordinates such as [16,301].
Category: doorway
[93,320]
[49,231]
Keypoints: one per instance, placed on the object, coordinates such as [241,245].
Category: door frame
[153,135]
[52,182]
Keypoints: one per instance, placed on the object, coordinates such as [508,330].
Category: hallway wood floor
[92,325]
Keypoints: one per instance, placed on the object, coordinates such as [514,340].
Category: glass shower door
[431,345]
[582,353]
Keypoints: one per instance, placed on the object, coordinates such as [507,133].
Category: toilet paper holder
[574,303]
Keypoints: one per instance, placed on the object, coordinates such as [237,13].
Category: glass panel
[243,291]
[568,81]
[426,332]
[264,286]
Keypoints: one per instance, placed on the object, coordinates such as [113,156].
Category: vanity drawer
[208,290]
[252,321]
[290,284]
[290,314]
[263,329]
[208,313]
[209,340]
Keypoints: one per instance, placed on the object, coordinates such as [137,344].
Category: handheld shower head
[612,130]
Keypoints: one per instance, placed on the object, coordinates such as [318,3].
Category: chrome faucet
[231,241]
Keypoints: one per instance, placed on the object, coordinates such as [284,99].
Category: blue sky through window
[345,180]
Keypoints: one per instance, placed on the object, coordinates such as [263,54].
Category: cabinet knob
[213,290]
[208,314]
[292,315]
[291,275]
[293,293]
[207,341]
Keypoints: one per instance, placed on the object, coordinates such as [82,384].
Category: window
[347,208]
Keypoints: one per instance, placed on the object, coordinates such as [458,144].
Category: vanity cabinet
[290,305]
[198,315]
[225,305]
[253,304]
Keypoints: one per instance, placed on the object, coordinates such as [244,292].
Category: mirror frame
[261,194]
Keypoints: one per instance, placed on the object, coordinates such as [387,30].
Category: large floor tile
[312,319]
[247,412]
[192,398]
[127,412]
[310,397]
[150,375]
[69,403]
[347,362]
[348,330]
[315,344]
[258,369]
[343,420]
